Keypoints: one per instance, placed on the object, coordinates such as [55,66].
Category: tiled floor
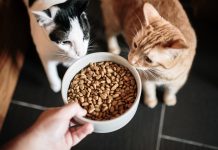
[177,144]
[190,125]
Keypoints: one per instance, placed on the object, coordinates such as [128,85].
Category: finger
[73,123]
[81,133]
[72,109]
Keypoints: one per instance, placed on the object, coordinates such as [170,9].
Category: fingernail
[85,111]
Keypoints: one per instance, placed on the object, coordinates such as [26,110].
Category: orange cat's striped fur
[161,40]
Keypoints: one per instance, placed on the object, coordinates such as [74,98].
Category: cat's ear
[149,13]
[176,44]
[42,17]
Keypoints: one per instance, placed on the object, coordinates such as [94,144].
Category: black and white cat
[60,31]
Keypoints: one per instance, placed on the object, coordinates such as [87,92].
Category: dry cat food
[105,89]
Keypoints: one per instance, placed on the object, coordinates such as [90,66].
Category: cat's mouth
[139,67]
[69,51]
[67,56]
[73,56]
[149,74]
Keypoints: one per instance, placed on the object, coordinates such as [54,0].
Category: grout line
[170,138]
[160,126]
[29,105]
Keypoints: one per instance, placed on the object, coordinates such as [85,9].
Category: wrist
[25,141]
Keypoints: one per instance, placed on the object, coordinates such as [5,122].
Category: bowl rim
[123,60]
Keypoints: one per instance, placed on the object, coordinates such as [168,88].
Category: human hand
[51,131]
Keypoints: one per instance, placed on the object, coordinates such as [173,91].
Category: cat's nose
[132,60]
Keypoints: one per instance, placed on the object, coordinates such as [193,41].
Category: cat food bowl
[107,86]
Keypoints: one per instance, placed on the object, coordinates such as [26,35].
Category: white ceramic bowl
[108,125]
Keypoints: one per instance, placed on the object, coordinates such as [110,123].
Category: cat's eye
[147,59]
[67,43]
[135,45]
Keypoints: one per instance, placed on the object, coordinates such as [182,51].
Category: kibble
[105,89]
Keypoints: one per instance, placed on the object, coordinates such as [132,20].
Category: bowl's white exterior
[108,125]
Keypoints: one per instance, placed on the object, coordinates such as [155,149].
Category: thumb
[72,109]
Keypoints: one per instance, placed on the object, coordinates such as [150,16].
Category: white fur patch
[113,45]
[43,4]
[79,46]
[54,11]
[159,55]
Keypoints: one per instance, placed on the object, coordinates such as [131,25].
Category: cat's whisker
[154,70]
[145,74]
[141,24]
[138,18]
[92,49]
[136,31]
[135,28]
[131,33]
[91,41]
[60,52]
[62,55]
[156,73]
[159,72]
[93,46]
[63,59]
[150,74]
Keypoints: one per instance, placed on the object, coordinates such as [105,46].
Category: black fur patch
[58,35]
[48,12]
[69,9]
[84,23]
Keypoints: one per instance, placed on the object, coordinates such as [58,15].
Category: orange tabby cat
[161,40]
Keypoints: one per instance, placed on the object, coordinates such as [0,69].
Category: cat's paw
[115,50]
[151,103]
[56,87]
[113,45]
[170,101]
